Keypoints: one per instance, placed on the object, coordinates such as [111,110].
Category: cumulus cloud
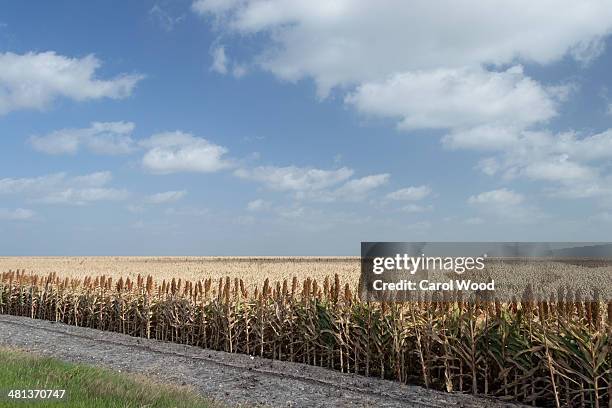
[292,178]
[164,153]
[35,80]
[111,138]
[581,147]
[291,213]
[352,190]
[416,64]
[599,189]
[32,185]
[18,214]
[456,98]
[559,169]
[356,41]
[307,183]
[410,193]
[483,138]
[416,208]
[497,197]
[166,197]
[82,196]
[187,212]
[173,152]
[575,163]
[213,6]
[358,188]
[258,205]
[505,205]
[59,188]
[97,179]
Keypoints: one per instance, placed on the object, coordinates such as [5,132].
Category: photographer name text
[426,285]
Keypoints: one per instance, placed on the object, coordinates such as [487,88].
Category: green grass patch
[87,386]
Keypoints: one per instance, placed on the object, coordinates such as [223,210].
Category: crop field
[554,352]
[544,278]
[252,270]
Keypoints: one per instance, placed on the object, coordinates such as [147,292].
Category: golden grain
[547,353]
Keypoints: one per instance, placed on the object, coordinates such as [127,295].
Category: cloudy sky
[279,127]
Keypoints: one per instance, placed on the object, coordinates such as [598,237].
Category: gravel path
[231,378]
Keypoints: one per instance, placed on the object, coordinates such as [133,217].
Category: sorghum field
[249,269]
[553,353]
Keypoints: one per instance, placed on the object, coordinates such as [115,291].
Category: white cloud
[586,51]
[456,98]
[417,64]
[482,138]
[594,147]
[497,197]
[410,193]
[166,197]
[489,166]
[352,190]
[100,138]
[356,41]
[204,6]
[187,212]
[600,188]
[505,205]
[222,64]
[416,208]
[19,214]
[258,205]
[292,178]
[84,196]
[58,188]
[173,152]
[559,169]
[358,188]
[96,179]
[35,80]
[291,213]
[167,152]
[164,18]
[220,60]
[31,185]
[576,146]
[309,183]
[575,163]
[238,71]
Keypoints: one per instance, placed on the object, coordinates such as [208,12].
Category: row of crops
[555,353]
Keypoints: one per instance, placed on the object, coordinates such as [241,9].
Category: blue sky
[275,127]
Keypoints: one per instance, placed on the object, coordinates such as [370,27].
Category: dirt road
[231,378]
